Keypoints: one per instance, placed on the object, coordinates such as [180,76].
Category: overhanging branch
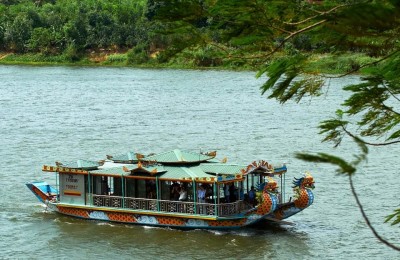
[367,143]
[367,220]
[318,15]
[363,66]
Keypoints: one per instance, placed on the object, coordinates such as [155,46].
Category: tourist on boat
[151,193]
[208,190]
[201,194]
[252,196]
[175,191]
[226,193]
[183,194]
[151,190]
[105,189]
[232,192]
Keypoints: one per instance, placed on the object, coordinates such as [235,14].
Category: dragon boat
[179,189]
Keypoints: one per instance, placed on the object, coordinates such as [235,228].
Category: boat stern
[42,190]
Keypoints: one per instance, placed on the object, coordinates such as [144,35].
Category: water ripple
[57,113]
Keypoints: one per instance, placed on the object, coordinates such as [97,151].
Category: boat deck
[168,206]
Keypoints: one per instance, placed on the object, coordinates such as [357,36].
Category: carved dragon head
[270,186]
[302,191]
[306,182]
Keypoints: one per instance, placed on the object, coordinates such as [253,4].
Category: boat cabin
[173,182]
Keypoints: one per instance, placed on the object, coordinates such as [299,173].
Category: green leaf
[334,130]
[339,113]
[344,167]
[361,144]
[395,217]
[395,135]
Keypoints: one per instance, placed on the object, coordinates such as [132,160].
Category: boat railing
[107,201]
[185,207]
[232,208]
[141,204]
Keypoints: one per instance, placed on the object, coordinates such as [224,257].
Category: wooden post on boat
[58,188]
[157,194]
[123,190]
[215,199]
[89,191]
[194,197]
[281,199]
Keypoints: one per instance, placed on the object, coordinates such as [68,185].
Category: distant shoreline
[322,63]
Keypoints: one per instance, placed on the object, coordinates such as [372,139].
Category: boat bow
[304,197]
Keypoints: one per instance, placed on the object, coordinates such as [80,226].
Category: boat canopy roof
[129,157]
[175,165]
[206,172]
[80,164]
[179,157]
[222,168]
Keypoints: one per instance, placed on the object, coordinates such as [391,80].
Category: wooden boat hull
[148,218]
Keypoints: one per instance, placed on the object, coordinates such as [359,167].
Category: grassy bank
[321,63]
[338,64]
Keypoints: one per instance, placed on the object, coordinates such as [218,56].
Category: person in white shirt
[183,194]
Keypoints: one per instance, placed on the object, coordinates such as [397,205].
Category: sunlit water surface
[59,113]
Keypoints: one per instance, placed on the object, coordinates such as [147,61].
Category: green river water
[50,114]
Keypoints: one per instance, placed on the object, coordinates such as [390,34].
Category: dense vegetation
[134,32]
[68,30]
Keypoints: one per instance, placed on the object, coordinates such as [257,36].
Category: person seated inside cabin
[175,191]
[226,193]
[151,194]
[105,189]
[201,194]
[252,196]
[183,194]
[208,191]
[151,190]
[232,192]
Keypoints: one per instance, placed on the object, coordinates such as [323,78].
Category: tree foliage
[282,35]
[52,27]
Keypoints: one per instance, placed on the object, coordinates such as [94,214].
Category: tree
[41,40]
[271,32]
[19,32]
[73,27]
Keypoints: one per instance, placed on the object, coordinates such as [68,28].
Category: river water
[68,113]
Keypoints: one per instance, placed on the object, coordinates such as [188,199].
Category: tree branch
[368,143]
[391,93]
[363,66]
[291,35]
[367,220]
[319,14]
[385,107]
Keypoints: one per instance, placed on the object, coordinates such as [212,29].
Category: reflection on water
[55,113]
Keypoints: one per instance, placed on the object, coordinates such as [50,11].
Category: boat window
[130,188]
[151,192]
[100,185]
[165,190]
[141,189]
[117,186]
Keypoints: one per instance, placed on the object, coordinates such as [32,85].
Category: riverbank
[120,59]
[320,63]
